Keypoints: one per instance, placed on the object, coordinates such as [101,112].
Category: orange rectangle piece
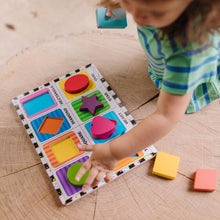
[124,162]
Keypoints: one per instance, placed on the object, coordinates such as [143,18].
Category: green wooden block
[71,174]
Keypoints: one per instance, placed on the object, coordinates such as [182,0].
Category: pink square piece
[205,180]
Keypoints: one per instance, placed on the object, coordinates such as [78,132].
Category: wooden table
[25,189]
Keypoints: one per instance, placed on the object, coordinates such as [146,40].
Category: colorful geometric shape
[70,96]
[117,20]
[50,125]
[54,114]
[126,161]
[76,83]
[166,165]
[38,103]
[120,128]
[102,128]
[205,180]
[83,115]
[71,174]
[90,104]
[62,176]
[62,149]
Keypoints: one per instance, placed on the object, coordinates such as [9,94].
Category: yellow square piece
[166,165]
[64,150]
[70,96]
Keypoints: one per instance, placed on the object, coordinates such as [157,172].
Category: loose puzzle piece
[205,180]
[166,165]
[117,20]
[71,174]
[102,128]
[76,84]
[90,104]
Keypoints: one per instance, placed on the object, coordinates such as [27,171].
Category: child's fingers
[108,176]
[109,12]
[83,169]
[92,175]
[98,178]
[86,147]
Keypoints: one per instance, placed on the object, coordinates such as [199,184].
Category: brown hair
[200,18]
[110,4]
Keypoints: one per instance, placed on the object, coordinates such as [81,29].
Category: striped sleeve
[187,70]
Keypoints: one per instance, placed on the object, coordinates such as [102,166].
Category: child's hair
[199,19]
[111,4]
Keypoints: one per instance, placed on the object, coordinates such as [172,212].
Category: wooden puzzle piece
[128,160]
[102,128]
[71,96]
[166,165]
[51,125]
[71,174]
[90,104]
[120,127]
[36,124]
[76,83]
[205,180]
[117,20]
[86,115]
[62,176]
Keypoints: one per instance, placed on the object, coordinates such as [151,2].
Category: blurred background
[27,23]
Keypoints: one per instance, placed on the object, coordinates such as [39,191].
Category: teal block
[117,20]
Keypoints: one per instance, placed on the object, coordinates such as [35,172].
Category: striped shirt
[179,70]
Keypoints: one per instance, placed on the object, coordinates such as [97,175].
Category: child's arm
[170,109]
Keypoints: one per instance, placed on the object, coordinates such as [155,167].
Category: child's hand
[111,5]
[101,163]
[109,12]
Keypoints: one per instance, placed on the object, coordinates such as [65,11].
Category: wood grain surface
[26,191]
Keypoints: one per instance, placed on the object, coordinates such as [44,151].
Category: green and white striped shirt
[179,70]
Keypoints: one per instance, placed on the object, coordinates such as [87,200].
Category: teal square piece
[117,20]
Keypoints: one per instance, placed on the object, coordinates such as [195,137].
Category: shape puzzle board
[56,126]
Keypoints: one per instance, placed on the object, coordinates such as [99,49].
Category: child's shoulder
[168,47]
[172,47]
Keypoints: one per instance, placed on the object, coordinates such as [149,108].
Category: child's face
[157,13]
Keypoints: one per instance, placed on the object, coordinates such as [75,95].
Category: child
[182,44]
